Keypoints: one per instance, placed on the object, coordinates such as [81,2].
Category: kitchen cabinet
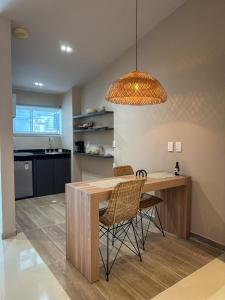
[44,177]
[38,173]
[51,175]
[61,174]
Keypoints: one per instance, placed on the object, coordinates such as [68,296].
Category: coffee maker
[79,146]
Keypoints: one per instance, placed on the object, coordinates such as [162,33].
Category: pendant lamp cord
[136,33]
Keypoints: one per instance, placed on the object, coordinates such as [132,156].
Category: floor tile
[24,275]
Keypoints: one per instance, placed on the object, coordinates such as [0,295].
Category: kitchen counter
[34,154]
[38,173]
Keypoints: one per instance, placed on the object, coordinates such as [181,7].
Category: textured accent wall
[186,53]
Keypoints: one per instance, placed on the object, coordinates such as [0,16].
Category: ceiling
[98,30]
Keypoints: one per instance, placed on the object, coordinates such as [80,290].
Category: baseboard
[7,235]
[207,241]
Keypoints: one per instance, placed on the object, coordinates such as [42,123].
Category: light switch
[170,147]
[114,144]
[178,147]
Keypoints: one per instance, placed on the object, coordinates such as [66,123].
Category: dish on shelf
[85,125]
[101,109]
[94,149]
[91,110]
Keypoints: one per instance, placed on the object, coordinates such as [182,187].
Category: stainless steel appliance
[23,179]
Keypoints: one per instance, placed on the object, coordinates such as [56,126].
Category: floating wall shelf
[92,129]
[98,113]
[93,155]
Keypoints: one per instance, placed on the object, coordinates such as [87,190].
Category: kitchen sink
[23,153]
[56,152]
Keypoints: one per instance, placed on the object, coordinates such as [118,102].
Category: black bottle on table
[177,169]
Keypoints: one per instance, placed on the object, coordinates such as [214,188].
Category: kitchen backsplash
[36,142]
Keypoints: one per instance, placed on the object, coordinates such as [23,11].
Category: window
[37,120]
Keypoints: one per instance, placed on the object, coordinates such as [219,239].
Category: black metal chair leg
[139,253]
[149,223]
[107,258]
[125,230]
[142,232]
[160,224]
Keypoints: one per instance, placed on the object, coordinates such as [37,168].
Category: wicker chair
[122,209]
[148,205]
[123,170]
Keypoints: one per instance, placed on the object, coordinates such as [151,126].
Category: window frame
[38,134]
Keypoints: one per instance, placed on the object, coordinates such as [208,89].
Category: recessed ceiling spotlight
[65,47]
[38,83]
[69,49]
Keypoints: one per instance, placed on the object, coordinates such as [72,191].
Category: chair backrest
[124,202]
[123,170]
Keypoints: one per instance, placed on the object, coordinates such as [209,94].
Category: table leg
[82,232]
[175,211]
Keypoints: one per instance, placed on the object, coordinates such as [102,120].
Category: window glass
[37,120]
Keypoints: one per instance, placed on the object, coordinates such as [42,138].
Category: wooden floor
[165,260]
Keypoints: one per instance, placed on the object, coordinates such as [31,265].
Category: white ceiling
[98,30]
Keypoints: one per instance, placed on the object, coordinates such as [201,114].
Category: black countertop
[39,153]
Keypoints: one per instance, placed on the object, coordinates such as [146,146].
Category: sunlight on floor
[207,283]
[24,275]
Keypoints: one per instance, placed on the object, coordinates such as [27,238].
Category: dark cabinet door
[61,174]
[44,177]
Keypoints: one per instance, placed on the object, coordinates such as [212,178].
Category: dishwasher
[23,179]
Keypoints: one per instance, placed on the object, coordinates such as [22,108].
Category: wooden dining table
[82,216]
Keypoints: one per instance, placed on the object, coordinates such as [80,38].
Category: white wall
[67,121]
[70,106]
[40,99]
[36,98]
[36,142]
[186,53]
[7,199]
[76,167]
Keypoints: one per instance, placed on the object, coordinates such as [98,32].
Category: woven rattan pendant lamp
[136,88]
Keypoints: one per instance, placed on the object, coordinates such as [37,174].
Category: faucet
[50,143]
